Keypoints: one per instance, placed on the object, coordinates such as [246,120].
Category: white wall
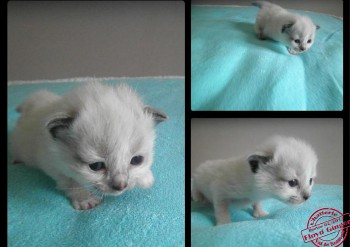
[224,138]
[63,39]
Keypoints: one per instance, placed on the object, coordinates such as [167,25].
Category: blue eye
[136,160]
[309,41]
[297,41]
[97,166]
[293,183]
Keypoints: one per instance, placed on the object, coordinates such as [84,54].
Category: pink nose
[119,185]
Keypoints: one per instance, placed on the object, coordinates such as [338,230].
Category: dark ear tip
[157,115]
[162,116]
[254,164]
[58,123]
[286,26]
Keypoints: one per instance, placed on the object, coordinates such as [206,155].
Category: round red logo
[326,227]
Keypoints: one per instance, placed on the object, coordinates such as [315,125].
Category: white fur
[222,182]
[95,123]
[270,22]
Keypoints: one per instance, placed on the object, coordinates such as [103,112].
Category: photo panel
[259,56]
[265,175]
[95,123]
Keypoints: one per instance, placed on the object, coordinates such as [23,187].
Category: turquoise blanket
[280,228]
[39,215]
[231,69]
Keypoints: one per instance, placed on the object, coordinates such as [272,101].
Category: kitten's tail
[261,4]
[35,100]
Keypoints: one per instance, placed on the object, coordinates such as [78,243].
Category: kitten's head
[285,168]
[105,135]
[299,33]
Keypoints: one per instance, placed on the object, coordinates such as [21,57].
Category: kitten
[97,139]
[297,32]
[283,168]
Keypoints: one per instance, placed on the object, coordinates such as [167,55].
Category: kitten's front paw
[86,204]
[291,51]
[146,181]
[259,214]
[223,221]
[261,36]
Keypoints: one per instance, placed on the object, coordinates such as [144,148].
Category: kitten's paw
[261,36]
[86,204]
[147,181]
[291,51]
[223,221]
[259,214]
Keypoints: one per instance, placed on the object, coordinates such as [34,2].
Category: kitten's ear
[317,27]
[286,26]
[157,115]
[255,160]
[58,125]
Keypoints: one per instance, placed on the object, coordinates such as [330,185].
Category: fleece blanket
[281,227]
[40,215]
[231,69]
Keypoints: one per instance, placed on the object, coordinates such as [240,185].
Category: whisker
[85,186]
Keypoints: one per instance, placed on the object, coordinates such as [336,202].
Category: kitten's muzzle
[119,182]
[121,185]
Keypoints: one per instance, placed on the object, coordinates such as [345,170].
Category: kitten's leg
[16,158]
[257,210]
[259,31]
[261,36]
[197,196]
[222,212]
[291,51]
[16,162]
[81,198]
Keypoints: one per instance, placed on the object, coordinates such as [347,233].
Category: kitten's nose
[302,48]
[306,197]
[119,185]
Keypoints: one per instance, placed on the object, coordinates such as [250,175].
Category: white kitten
[297,32]
[283,168]
[94,140]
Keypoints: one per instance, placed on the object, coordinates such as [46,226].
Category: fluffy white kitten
[97,139]
[283,168]
[297,32]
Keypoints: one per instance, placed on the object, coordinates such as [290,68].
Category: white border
[84,79]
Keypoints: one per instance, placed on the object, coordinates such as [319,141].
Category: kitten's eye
[97,166]
[297,41]
[293,183]
[310,181]
[136,160]
[309,41]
